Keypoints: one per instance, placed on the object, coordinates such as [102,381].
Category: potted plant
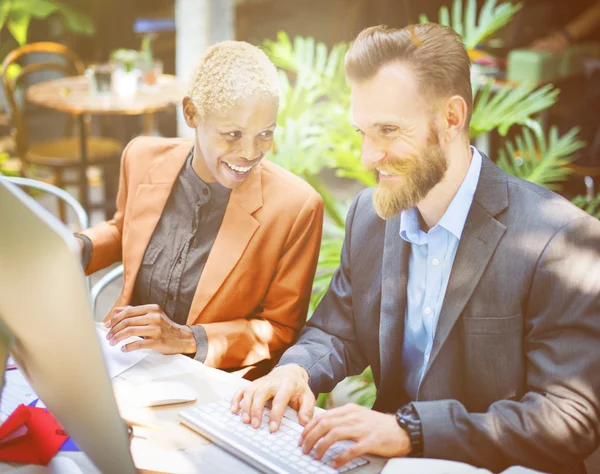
[126,74]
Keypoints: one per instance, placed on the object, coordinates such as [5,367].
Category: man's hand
[373,432]
[286,385]
[152,324]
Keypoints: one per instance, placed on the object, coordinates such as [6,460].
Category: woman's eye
[236,134]
[388,130]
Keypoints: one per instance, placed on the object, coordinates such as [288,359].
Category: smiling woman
[219,246]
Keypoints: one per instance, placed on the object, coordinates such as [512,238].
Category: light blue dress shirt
[431,257]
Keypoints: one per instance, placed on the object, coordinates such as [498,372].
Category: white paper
[16,391]
[419,466]
[116,360]
[58,465]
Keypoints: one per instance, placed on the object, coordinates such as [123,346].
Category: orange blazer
[253,295]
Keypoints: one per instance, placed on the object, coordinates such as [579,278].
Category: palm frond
[542,160]
[471,29]
[591,206]
[504,106]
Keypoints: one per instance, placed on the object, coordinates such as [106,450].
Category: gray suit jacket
[514,374]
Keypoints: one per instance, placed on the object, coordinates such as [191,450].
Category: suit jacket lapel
[235,233]
[394,280]
[479,240]
[150,199]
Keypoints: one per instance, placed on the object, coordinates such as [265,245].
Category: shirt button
[427,310]
[170,297]
[435,261]
[178,260]
[205,192]
[426,357]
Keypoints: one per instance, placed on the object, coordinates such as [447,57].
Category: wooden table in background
[71,95]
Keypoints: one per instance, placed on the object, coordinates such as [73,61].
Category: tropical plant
[16,15]
[591,205]
[465,22]
[542,160]
[314,131]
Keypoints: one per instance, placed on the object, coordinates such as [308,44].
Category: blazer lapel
[235,233]
[479,240]
[148,205]
[394,280]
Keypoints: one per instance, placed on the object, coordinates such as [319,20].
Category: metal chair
[58,154]
[62,195]
[103,283]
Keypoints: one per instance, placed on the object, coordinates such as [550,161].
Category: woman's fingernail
[273,426]
[255,422]
[246,418]
[107,323]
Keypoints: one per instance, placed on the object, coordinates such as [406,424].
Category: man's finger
[307,408]
[246,404]
[319,430]
[280,402]
[339,433]
[134,331]
[354,451]
[261,396]
[236,400]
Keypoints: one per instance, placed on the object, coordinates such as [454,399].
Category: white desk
[170,447]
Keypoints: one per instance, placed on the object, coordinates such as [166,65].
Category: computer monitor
[45,305]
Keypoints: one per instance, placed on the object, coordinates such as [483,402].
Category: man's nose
[371,154]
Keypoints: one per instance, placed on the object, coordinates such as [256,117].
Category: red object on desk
[30,435]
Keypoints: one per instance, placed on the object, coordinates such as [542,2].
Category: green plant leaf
[18,24]
[589,205]
[509,106]
[76,21]
[540,159]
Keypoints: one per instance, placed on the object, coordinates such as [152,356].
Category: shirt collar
[455,216]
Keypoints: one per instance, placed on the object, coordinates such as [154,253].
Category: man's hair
[435,53]
[230,71]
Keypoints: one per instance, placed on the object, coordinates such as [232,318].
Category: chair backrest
[67,62]
[80,213]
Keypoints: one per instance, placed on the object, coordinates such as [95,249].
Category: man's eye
[236,134]
[267,134]
[388,130]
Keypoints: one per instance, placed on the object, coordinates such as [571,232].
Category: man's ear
[455,117]
[190,113]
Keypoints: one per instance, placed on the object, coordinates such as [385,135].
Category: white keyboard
[276,453]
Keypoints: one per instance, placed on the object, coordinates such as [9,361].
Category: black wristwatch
[408,419]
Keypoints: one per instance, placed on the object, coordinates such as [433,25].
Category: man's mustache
[395,165]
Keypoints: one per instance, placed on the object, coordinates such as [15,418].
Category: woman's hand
[153,325]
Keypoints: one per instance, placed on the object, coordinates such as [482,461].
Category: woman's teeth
[238,169]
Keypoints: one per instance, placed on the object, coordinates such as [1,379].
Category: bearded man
[473,295]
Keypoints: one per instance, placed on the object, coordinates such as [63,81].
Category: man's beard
[420,174]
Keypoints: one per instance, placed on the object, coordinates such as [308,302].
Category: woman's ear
[190,113]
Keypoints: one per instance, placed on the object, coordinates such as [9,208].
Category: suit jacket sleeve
[328,347]
[265,335]
[106,237]
[556,424]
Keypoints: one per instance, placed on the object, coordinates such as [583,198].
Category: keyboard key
[279,448]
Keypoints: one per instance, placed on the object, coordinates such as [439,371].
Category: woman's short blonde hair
[230,71]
